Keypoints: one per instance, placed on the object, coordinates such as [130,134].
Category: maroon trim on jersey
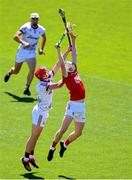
[44,80]
[47,87]
[21,31]
[34,27]
[53,72]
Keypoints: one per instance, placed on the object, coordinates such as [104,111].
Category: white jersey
[44,95]
[31,35]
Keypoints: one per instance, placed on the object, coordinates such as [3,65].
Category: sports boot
[27,92]
[50,154]
[32,161]
[62,148]
[7,77]
[25,163]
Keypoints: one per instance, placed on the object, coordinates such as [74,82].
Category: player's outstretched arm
[74,51]
[57,65]
[69,49]
[57,85]
[61,61]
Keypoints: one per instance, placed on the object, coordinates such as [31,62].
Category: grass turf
[104,58]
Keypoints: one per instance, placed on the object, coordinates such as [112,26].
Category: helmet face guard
[42,73]
[34,18]
[70,67]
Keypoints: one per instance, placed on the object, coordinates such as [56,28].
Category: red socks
[67,142]
[54,144]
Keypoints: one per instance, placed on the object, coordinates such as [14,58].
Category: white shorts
[76,110]
[39,117]
[24,54]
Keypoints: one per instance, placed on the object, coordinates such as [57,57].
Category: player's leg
[31,143]
[72,137]
[76,133]
[78,111]
[13,70]
[36,131]
[30,146]
[65,124]
[31,65]
[20,57]
[38,121]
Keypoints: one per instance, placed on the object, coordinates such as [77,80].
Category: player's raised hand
[57,46]
[73,37]
[69,48]
[25,44]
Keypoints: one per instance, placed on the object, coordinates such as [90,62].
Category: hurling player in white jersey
[28,36]
[40,112]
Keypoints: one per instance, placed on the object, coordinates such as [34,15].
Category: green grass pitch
[104,45]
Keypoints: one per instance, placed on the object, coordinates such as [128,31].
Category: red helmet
[42,73]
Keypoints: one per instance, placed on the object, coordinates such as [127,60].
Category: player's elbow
[15,37]
[60,85]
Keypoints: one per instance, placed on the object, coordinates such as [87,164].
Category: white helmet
[34,15]
[70,67]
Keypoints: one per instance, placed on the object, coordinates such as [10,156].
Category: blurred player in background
[40,112]
[75,109]
[28,36]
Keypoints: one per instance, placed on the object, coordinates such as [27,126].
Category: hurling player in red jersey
[75,109]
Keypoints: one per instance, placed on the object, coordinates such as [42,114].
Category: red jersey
[75,86]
